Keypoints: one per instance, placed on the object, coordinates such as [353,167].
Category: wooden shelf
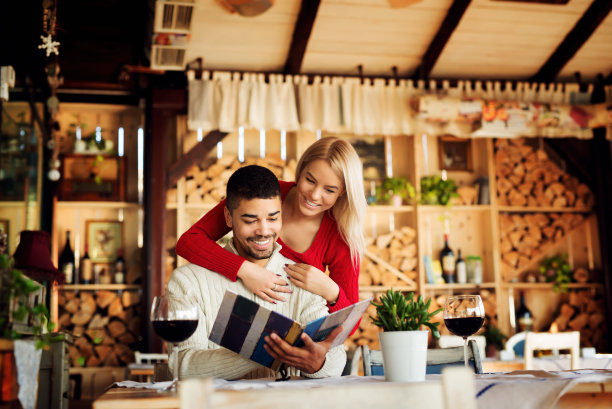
[194,206]
[14,203]
[390,209]
[458,208]
[383,288]
[542,209]
[546,286]
[101,205]
[468,286]
[96,287]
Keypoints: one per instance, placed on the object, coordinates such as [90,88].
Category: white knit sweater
[201,357]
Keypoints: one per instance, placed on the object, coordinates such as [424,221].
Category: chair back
[437,359]
[538,341]
[149,358]
[515,345]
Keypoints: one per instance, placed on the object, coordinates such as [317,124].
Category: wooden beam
[163,107]
[590,20]
[570,150]
[301,35]
[601,165]
[195,155]
[450,23]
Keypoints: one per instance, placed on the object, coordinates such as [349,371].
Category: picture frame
[454,153]
[104,238]
[4,229]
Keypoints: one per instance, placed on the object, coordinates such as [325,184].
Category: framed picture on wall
[4,235]
[454,153]
[104,238]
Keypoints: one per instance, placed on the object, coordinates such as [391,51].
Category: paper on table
[142,385]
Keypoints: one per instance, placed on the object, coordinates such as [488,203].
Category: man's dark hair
[251,182]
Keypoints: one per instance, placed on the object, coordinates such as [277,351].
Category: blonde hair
[350,208]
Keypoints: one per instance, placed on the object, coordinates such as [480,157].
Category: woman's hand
[314,280]
[263,282]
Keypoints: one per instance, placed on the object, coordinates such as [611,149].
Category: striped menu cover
[242,324]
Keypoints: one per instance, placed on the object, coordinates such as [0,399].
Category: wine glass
[463,316]
[174,320]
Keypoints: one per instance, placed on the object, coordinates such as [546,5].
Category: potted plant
[395,190]
[436,190]
[403,343]
[556,269]
[495,340]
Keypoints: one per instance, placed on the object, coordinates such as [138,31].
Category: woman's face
[318,188]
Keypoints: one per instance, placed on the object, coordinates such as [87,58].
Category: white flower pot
[404,355]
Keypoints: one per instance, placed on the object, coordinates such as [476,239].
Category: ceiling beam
[301,35]
[590,20]
[450,23]
[194,156]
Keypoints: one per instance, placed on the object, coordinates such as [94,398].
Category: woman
[322,216]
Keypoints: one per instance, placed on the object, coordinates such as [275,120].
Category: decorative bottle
[461,268]
[66,260]
[119,267]
[447,259]
[86,268]
[524,318]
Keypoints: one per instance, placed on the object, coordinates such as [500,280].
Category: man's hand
[264,283]
[308,358]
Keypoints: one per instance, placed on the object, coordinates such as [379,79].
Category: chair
[436,359]
[515,346]
[454,390]
[538,341]
[144,366]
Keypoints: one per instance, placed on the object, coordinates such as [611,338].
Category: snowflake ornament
[49,45]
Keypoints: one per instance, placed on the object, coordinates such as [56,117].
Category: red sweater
[198,245]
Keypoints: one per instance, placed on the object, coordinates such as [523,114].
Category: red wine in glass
[175,331]
[463,316]
[174,320]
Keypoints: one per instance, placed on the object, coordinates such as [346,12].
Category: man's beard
[260,255]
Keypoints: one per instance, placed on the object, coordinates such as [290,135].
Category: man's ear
[228,217]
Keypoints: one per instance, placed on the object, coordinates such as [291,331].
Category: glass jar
[474,269]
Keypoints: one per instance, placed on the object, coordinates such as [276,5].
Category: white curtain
[227,101]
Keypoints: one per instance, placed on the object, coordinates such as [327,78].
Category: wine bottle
[86,268]
[66,260]
[447,258]
[461,268]
[119,267]
[524,318]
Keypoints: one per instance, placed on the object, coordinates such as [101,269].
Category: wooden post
[164,107]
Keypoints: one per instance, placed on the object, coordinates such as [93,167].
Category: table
[519,389]
[560,363]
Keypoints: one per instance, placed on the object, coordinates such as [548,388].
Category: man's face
[256,224]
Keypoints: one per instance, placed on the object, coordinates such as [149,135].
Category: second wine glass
[463,316]
[174,320]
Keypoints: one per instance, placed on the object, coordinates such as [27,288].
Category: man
[253,212]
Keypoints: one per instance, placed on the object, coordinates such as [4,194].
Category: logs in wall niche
[526,238]
[390,259]
[583,311]
[105,324]
[527,177]
[206,184]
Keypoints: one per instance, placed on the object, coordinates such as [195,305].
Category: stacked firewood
[527,177]
[525,238]
[583,312]
[206,185]
[390,259]
[105,324]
